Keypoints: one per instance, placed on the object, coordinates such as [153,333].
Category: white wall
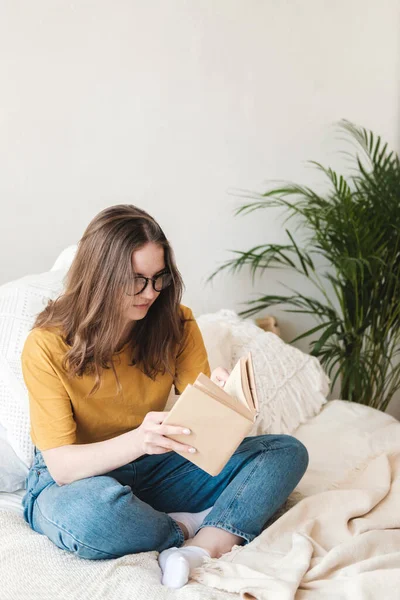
[171,105]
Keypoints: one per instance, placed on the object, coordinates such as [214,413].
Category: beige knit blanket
[338,544]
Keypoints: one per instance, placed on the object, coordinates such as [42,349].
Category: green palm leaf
[354,227]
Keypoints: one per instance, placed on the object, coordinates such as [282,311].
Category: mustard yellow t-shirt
[60,415]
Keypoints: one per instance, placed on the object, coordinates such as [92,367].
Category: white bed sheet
[341,440]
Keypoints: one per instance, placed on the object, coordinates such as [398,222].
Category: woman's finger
[219,376]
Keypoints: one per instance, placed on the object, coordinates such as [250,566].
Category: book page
[204,383]
[252,384]
[247,383]
[233,385]
[217,429]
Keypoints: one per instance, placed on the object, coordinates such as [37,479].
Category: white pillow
[217,337]
[65,258]
[20,302]
[291,385]
[13,472]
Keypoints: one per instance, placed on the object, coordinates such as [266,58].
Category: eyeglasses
[139,284]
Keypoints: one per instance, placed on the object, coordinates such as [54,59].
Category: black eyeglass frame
[153,281]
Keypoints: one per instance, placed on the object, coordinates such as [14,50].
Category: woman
[98,364]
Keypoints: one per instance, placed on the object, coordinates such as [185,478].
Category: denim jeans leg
[96,517]
[272,466]
[125,511]
[251,487]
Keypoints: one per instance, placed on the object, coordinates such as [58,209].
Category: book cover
[219,420]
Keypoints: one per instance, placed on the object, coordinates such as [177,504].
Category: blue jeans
[125,510]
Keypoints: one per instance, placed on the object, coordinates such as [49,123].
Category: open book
[219,418]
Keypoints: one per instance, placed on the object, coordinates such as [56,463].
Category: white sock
[176,564]
[192,521]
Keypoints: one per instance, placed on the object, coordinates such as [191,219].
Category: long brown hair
[88,311]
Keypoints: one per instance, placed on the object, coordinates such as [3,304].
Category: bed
[345,511]
[337,536]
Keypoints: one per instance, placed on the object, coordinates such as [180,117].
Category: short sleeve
[192,357]
[50,408]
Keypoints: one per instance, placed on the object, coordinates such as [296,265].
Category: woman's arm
[77,461]
[72,462]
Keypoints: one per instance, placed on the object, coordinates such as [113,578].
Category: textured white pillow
[20,302]
[291,385]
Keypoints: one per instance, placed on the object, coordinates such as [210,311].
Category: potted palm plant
[355,228]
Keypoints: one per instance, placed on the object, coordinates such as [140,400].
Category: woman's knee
[293,449]
[67,535]
[100,518]
[299,454]
[76,516]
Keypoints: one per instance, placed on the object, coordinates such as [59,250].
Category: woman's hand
[219,376]
[151,435]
